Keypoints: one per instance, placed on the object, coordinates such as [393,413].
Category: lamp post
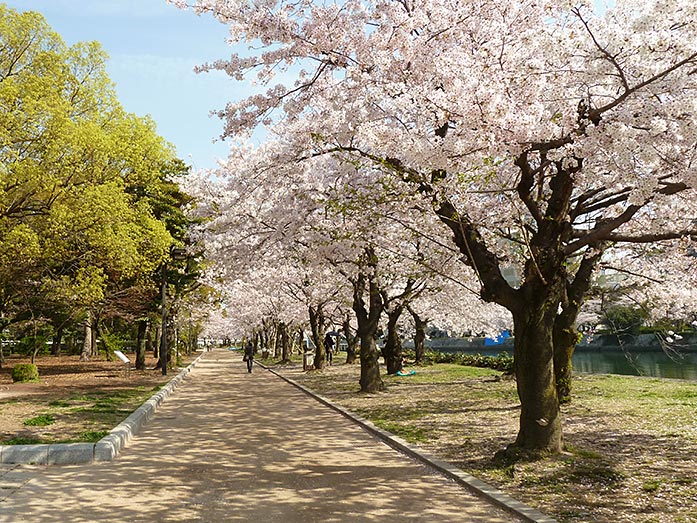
[175,253]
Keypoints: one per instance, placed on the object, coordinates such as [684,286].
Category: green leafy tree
[89,204]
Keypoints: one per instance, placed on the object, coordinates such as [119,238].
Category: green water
[658,364]
[682,365]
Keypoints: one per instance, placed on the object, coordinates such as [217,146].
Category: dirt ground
[91,396]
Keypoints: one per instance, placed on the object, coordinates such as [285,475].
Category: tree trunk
[419,337]
[565,333]
[155,344]
[565,337]
[351,341]
[285,345]
[368,320]
[273,338]
[57,341]
[160,341]
[534,307]
[392,352]
[540,425]
[88,341]
[278,343]
[36,347]
[317,328]
[370,380]
[143,331]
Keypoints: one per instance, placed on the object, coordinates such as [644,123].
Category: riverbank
[657,342]
[631,442]
[644,355]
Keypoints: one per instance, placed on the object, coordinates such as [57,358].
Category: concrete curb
[107,448]
[479,487]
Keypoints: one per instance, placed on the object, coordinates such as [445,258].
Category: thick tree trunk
[57,341]
[540,425]
[95,339]
[565,334]
[368,320]
[565,337]
[392,352]
[162,339]
[317,327]
[143,328]
[285,344]
[278,343]
[87,343]
[370,369]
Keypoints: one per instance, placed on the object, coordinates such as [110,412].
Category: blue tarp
[498,340]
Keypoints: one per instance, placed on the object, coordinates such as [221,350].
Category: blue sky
[153,47]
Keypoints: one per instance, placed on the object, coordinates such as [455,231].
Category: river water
[675,363]
[659,364]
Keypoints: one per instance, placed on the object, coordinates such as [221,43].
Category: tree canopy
[89,197]
[550,140]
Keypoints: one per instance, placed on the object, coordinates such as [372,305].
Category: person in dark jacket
[249,355]
[329,347]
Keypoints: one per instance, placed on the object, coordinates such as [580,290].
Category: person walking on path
[249,355]
[329,346]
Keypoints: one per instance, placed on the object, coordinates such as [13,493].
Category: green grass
[88,436]
[91,436]
[22,441]
[652,485]
[410,433]
[42,420]
[59,403]
[442,373]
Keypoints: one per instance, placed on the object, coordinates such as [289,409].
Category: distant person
[329,346]
[249,355]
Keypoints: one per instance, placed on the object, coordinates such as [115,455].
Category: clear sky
[153,48]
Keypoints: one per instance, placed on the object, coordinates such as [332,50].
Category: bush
[503,362]
[23,372]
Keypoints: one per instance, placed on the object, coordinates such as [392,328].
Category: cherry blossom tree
[543,135]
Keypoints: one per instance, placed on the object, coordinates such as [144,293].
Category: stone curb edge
[479,487]
[107,448]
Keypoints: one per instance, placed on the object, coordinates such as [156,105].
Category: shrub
[503,362]
[23,372]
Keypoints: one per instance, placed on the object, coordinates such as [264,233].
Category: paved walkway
[232,446]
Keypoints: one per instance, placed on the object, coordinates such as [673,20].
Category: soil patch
[74,400]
